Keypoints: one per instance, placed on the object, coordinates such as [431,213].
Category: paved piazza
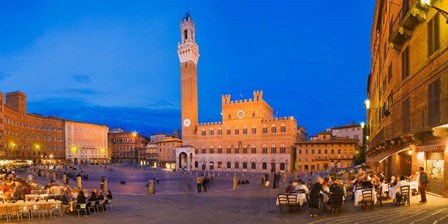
[176,201]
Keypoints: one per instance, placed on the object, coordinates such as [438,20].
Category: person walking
[199,183]
[422,184]
[204,183]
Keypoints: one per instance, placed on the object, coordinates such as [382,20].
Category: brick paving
[174,202]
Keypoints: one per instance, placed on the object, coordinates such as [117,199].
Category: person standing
[199,183]
[204,183]
[422,184]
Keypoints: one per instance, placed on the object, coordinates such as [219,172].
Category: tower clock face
[240,114]
[187,122]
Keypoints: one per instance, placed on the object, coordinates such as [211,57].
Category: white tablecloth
[358,196]
[384,188]
[414,185]
[301,198]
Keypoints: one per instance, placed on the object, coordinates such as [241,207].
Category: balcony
[411,14]
[417,122]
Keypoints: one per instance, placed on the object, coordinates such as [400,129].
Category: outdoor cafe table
[301,198]
[359,197]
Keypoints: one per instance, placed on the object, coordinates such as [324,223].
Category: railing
[400,16]
[418,121]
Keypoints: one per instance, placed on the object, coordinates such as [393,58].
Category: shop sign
[430,148]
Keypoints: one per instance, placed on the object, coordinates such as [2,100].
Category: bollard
[105,185]
[79,182]
[64,179]
[235,183]
[285,176]
[150,187]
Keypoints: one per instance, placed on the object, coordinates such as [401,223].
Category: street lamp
[441,11]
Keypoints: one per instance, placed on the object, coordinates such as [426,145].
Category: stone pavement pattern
[248,204]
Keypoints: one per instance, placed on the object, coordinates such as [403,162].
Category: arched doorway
[204,164]
[212,165]
[272,166]
[183,158]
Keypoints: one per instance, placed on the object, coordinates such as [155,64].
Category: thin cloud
[81,78]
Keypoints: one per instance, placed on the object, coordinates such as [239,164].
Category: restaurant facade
[407,106]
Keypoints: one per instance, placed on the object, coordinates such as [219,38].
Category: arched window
[211,150]
[237,165]
[273,129]
[219,149]
[196,164]
[282,166]
[273,149]
[219,131]
[211,132]
[228,149]
[253,165]
[236,150]
[265,129]
[253,149]
[264,166]
[244,149]
[229,165]
[282,149]
[254,130]
[265,149]
[283,128]
[196,151]
[203,132]
[236,131]
[244,130]
[185,34]
[203,150]
[229,131]
[244,165]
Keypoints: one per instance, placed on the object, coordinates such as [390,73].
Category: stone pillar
[79,182]
[64,179]
[150,187]
[105,185]
[188,163]
[177,161]
[235,183]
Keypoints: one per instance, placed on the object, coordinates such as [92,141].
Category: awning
[384,155]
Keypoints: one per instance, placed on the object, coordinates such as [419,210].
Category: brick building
[325,152]
[26,136]
[407,107]
[128,147]
[248,138]
[86,143]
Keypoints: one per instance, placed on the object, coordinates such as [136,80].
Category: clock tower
[188,53]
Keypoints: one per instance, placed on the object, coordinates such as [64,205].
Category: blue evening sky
[115,62]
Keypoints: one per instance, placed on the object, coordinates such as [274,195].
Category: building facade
[325,152]
[407,107]
[248,138]
[167,152]
[128,147]
[352,130]
[86,143]
[25,136]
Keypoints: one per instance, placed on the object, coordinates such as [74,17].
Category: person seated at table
[100,196]
[18,191]
[67,196]
[290,188]
[93,195]
[337,187]
[366,183]
[397,188]
[109,195]
[302,186]
[392,181]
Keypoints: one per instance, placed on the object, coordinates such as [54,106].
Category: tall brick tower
[188,52]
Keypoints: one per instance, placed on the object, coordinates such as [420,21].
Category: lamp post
[441,11]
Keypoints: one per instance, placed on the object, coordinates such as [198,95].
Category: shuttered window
[434,102]
[405,63]
[433,35]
